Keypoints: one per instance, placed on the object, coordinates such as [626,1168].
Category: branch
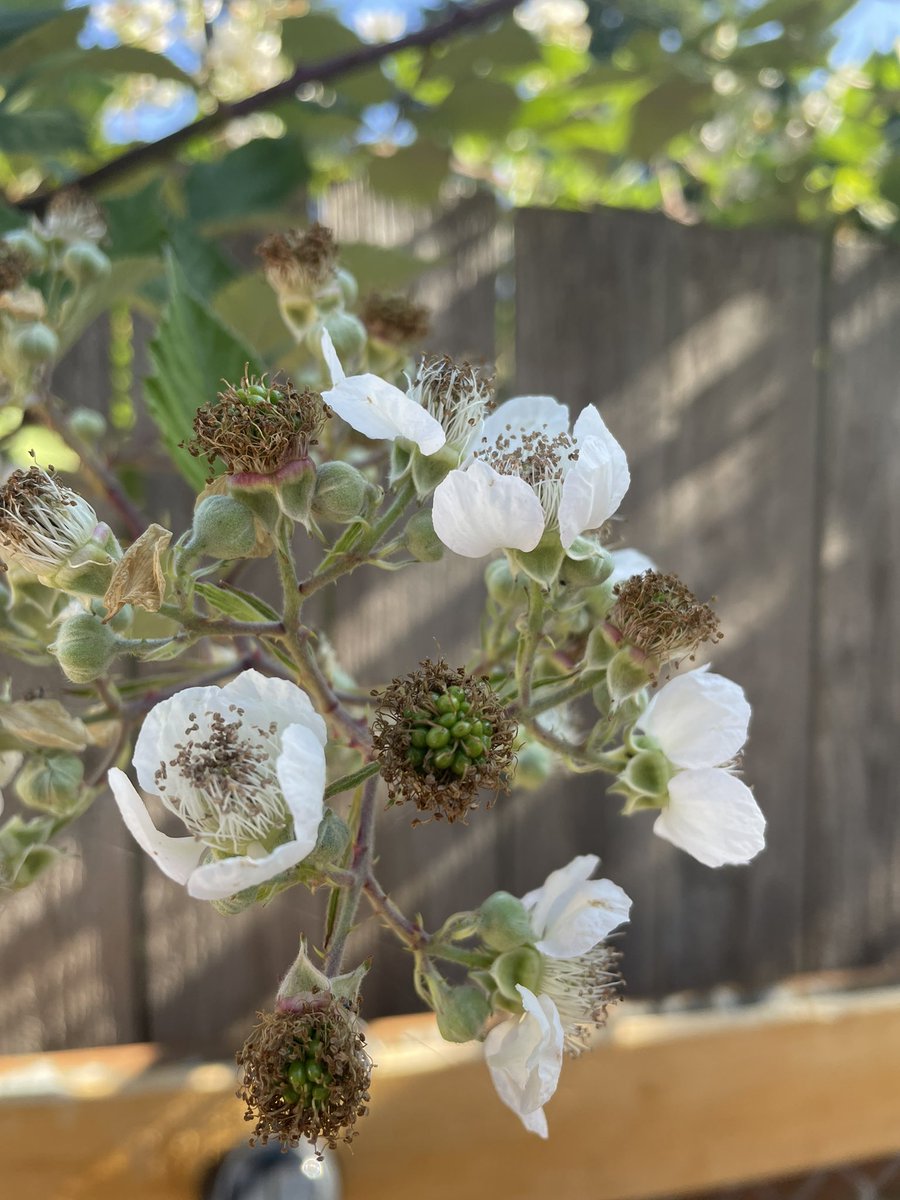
[460,20]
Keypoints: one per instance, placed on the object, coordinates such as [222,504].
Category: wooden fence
[752,378]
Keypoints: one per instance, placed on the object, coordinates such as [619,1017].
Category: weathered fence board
[698,346]
[853,849]
[754,394]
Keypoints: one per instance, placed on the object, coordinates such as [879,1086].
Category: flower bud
[223,527]
[461,1012]
[51,783]
[342,494]
[598,599]
[534,765]
[523,966]
[627,674]
[36,343]
[502,585]
[603,644]
[84,263]
[421,540]
[84,647]
[586,564]
[348,285]
[26,243]
[346,331]
[649,773]
[503,922]
[88,424]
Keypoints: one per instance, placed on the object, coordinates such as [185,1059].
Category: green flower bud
[586,564]
[461,1011]
[649,772]
[421,540]
[295,490]
[51,783]
[23,241]
[626,675]
[346,331]
[84,647]
[87,423]
[524,966]
[223,527]
[502,585]
[84,262]
[342,494]
[541,564]
[348,285]
[503,922]
[36,343]
[599,600]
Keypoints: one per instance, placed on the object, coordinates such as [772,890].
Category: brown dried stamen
[663,618]
[441,737]
[297,258]
[14,267]
[325,1040]
[72,215]
[41,517]
[395,319]
[256,427]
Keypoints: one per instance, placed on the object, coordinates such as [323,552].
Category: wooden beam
[666,1105]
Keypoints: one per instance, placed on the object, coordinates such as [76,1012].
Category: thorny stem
[360,866]
[572,691]
[412,934]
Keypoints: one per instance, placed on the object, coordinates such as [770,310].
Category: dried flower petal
[138,578]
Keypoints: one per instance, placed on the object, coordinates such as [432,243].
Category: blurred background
[685,213]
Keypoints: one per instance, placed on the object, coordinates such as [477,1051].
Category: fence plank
[68,951]
[698,346]
[854,846]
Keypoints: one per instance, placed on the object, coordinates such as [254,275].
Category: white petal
[596,483]
[713,816]
[526,414]
[175,857]
[699,719]
[571,914]
[266,699]
[301,774]
[628,562]
[335,370]
[225,878]
[478,511]
[164,725]
[535,1122]
[524,1057]
[377,409]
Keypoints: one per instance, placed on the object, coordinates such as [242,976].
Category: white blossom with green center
[243,766]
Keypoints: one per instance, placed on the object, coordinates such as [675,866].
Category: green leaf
[191,353]
[475,106]
[136,222]
[415,173]
[205,266]
[510,46]
[235,603]
[127,279]
[36,133]
[248,303]
[315,37]
[27,38]
[668,110]
[124,60]
[256,178]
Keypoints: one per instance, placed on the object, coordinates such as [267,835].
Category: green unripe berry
[51,783]
[314,1072]
[474,747]
[461,764]
[437,738]
[342,493]
[446,703]
[224,527]
[461,729]
[36,343]
[418,738]
[443,759]
[319,1094]
[84,262]
[297,1075]
[448,720]
[416,757]
[84,647]
[289,1095]
[87,423]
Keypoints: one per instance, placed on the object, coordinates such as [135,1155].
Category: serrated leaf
[415,173]
[191,353]
[248,303]
[37,132]
[256,178]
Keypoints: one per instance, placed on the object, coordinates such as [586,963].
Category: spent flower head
[661,617]
[72,216]
[14,267]
[306,1072]
[258,427]
[395,319]
[442,736]
[297,261]
[53,533]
